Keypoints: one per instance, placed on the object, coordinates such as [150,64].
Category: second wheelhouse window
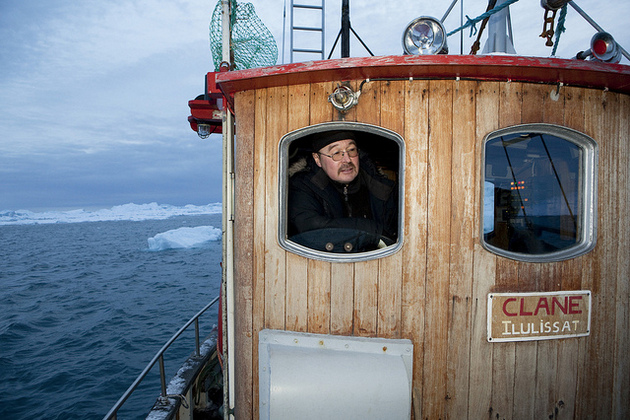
[539,192]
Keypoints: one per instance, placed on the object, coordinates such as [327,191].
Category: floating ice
[131,211]
[185,237]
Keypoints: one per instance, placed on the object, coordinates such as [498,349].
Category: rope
[474,48]
[559,28]
[471,22]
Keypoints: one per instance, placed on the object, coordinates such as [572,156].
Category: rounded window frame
[283,178]
[588,189]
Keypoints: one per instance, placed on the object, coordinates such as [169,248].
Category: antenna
[344,32]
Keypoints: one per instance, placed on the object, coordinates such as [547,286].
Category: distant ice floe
[131,211]
[185,237]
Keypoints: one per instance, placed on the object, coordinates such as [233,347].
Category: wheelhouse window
[539,193]
[340,189]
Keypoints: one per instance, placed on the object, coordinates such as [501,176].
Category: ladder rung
[307,51]
[306,6]
[304,28]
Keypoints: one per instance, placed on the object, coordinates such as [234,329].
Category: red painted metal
[614,77]
[205,112]
[206,109]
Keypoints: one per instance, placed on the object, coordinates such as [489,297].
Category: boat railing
[159,358]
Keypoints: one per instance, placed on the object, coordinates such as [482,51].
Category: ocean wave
[91,304]
[185,237]
[130,211]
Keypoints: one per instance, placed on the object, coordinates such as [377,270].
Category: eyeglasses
[337,156]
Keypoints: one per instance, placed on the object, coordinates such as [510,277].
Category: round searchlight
[425,35]
[604,48]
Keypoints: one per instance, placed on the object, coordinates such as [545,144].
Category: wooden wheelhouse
[435,288]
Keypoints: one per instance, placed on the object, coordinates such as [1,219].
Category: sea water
[85,305]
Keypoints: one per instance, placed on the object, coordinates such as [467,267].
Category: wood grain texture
[416,136]
[297,266]
[597,361]
[390,268]
[464,211]
[438,248]
[275,269]
[243,251]
[621,383]
[258,228]
[341,299]
[434,290]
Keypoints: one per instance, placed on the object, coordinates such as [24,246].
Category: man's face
[344,170]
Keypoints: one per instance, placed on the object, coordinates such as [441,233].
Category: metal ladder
[313,9]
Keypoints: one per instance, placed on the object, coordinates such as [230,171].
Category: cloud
[85,39]
[94,94]
[94,98]
[89,73]
[180,173]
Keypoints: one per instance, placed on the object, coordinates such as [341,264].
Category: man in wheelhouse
[338,200]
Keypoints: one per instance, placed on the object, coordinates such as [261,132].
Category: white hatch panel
[313,376]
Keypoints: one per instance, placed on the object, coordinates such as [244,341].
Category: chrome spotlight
[425,35]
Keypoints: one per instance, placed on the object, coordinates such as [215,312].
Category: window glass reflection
[533,193]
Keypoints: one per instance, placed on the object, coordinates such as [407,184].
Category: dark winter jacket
[317,218]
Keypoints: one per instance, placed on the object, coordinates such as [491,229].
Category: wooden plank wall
[434,290]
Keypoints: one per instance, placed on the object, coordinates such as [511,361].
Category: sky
[94,95]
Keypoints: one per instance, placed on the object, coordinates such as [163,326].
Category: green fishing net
[253,44]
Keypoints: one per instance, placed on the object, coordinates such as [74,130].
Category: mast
[344,33]
[345,28]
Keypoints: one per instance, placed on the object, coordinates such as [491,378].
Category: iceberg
[130,211]
[185,237]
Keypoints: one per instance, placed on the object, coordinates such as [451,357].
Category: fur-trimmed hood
[298,166]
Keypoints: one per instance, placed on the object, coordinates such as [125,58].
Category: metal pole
[345,28]
[162,375]
[291,23]
[448,11]
[226,40]
[461,23]
[323,27]
[228,266]
[197,347]
[284,28]
[228,258]
[586,17]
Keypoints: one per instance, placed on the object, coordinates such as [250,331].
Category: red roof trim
[614,77]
